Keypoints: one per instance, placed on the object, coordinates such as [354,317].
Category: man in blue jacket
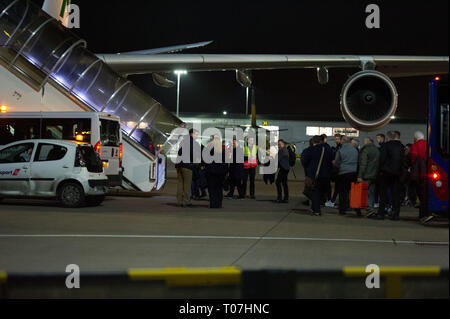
[319,175]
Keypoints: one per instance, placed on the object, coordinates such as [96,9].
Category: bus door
[109,149]
[438,150]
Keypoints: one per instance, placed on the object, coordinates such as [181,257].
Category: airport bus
[438,146]
[101,130]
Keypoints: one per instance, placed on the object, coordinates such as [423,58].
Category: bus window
[444,131]
[67,129]
[6,133]
[12,130]
[53,132]
[145,140]
[109,133]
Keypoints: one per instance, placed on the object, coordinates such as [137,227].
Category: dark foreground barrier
[231,283]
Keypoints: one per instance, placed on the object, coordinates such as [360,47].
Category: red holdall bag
[358,195]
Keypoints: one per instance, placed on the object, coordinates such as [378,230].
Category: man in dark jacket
[381,139]
[189,155]
[283,171]
[199,183]
[333,173]
[216,171]
[369,162]
[391,167]
[310,160]
[236,170]
[327,183]
[302,155]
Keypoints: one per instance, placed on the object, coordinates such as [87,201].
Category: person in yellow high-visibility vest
[250,164]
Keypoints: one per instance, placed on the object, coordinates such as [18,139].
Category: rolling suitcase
[358,195]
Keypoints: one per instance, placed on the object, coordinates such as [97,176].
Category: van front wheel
[71,195]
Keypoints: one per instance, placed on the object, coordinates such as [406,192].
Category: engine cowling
[162,81]
[368,100]
[244,78]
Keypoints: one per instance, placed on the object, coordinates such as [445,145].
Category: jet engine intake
[368,100]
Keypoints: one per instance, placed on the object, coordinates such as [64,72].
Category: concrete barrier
[231,283]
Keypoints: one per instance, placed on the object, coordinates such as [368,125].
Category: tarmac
[152,232]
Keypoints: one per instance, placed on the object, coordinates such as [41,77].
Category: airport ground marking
[355,240]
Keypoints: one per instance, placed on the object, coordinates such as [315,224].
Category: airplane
[368,98]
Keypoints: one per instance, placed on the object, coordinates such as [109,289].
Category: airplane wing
[171,49]
[392,65]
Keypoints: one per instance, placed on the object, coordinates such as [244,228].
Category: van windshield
[109,133]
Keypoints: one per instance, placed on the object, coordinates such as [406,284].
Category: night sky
[290,27]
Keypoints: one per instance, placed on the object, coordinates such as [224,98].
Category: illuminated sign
[347,131]
[330,131]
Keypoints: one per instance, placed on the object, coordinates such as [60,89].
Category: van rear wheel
[71,195]
[95,200]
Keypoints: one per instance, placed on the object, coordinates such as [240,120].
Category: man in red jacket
[418,155]
[419,148]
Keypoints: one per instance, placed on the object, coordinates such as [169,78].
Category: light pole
[246,100]
[179,73]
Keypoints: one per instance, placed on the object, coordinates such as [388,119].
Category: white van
[101,130]
[69,171]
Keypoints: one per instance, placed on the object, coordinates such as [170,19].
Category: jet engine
[368,100]
[162,81]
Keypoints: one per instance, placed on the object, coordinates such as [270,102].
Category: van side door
[51,163]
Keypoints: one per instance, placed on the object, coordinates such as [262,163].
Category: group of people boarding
[392,171]
[230,168]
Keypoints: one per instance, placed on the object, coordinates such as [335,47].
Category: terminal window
[348,131]
[330,131]
[312,130]
[318,130]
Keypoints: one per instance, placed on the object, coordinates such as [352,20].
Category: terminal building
[298,130]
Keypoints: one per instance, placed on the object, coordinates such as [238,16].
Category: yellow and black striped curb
[190,276]
[3,277]
[250,282]
[394,276]
[427,271]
